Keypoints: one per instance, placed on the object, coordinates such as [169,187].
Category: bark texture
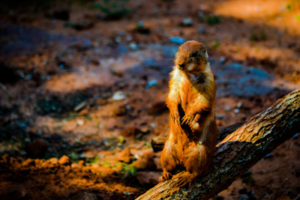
[238,151]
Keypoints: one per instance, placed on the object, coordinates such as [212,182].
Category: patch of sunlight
[271,12]
[87,76]
[78,80]
[78,125]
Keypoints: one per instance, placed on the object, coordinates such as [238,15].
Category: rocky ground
[83,90]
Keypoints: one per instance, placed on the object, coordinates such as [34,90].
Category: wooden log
[237,152]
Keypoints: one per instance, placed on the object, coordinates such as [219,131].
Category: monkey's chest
[188,98]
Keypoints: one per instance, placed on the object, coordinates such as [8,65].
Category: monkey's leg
[197,159]
[168,160]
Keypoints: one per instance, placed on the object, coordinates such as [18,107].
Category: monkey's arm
[196,115]
[173,102]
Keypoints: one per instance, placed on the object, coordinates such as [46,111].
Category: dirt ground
[83,88]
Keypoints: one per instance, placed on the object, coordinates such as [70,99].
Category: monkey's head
[191,57]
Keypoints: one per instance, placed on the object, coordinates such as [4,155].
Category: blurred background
[83,87]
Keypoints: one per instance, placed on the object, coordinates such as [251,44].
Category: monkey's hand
[192,120]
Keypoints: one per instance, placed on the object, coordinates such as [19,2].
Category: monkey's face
[191,57]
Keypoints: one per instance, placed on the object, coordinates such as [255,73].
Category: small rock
[153,125]
[38,148]
[80,122]
[239,105]
[220,116]
[80,106]
[187,22]
[222,60]
[148,177]
[177,40]
[157,143]
[133,46]
[236,110]
[125,156]
[140,28]
[151,83]
[118,96]
[295,136]
[64,160]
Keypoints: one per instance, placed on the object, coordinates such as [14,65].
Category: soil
[83,91]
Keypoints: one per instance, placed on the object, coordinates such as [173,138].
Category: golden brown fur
[192,129]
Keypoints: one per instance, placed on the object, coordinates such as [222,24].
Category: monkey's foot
[184,178]
[165,176]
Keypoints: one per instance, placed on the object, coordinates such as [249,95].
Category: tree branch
[238,151]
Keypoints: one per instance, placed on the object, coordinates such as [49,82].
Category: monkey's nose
[181,65]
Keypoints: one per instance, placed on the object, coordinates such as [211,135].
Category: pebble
[220,116]
[239,105]
[80,122]
[64,160]
[187,22]
[153,125]
[222,60]
[118,96]
[177,40]
[295,136]
[151,83]
[133,46]
[127,193]
[140,24]
[80,106]
[236,110]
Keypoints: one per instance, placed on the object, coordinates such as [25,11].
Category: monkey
[191,140]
